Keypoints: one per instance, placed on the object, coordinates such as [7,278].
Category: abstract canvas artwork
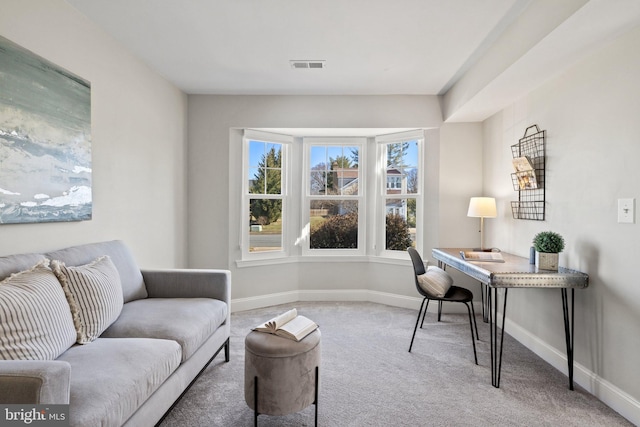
[45,140]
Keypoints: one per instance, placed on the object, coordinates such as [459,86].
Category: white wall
[138,139]
[591,115]
[214,190]
[460,178]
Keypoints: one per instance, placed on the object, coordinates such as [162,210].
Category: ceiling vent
[306,64]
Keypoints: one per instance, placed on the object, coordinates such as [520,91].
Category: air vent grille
[307,64]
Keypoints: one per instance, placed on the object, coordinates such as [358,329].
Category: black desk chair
[452,294]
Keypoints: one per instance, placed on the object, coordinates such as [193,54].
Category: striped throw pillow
[35,319]
[435,281]
[94,293]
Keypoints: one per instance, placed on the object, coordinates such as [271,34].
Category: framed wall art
[45,140]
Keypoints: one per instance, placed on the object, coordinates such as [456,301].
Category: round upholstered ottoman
[281,375]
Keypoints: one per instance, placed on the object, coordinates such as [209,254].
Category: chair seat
[457,294]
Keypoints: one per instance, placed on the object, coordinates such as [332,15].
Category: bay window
[331,196]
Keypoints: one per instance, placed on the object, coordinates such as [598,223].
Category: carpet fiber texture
[368,377]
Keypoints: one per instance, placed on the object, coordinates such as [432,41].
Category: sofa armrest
[189,283]
[34,381]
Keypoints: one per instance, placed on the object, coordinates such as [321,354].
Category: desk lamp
[482,207]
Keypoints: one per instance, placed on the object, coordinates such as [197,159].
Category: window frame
[285,194]
[382,141]
[307,144]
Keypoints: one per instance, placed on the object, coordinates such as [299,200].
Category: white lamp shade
[482,207]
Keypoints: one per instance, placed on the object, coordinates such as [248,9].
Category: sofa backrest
[15,263]
[133,286]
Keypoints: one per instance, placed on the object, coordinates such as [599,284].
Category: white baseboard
[617,399]
[251,303]
[611,395]
[395,300]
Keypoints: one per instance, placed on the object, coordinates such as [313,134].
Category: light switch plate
[626,211]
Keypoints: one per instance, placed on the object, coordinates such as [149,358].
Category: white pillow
[94,293]
[435,281]
[35,319]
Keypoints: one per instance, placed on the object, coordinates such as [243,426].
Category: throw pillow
[94,293]
[435,281]
[35,320]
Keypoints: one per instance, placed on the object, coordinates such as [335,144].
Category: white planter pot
[546,261]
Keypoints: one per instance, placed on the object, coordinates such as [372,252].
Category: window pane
[318,157]
[334,224]
[400,228]
[410,154]
[256,152]
[412,180]
[318,182]
[274,152]
[256,181]
[274,180]
[265,225]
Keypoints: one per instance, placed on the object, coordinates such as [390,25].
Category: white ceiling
[371,47]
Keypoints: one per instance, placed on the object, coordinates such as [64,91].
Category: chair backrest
[418,265]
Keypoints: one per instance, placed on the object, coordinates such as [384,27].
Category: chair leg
[439,310]
[417,321]
[473,339]
[424,313]
[473,311]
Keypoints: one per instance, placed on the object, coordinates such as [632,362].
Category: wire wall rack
[529,178]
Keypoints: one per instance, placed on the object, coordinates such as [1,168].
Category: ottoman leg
[255,401]
[316,400]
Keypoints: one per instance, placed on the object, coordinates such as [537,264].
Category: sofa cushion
[94,294]
[35,319]
[16,263]
[111,378]
[133,287]
[189,321]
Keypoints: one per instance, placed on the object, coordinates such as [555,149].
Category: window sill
[322,259]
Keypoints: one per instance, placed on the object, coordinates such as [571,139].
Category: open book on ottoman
[289,325]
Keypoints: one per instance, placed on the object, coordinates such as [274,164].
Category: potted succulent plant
[548,245]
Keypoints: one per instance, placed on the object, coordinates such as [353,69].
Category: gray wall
[591,115]
[138,133]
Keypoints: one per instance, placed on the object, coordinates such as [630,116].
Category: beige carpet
[368,378]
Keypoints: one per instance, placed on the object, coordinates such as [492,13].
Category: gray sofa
[172,325]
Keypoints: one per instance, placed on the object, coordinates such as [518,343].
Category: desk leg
[485,302]
[496,354]
[568,331]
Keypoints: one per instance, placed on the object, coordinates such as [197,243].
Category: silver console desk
[515,272]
